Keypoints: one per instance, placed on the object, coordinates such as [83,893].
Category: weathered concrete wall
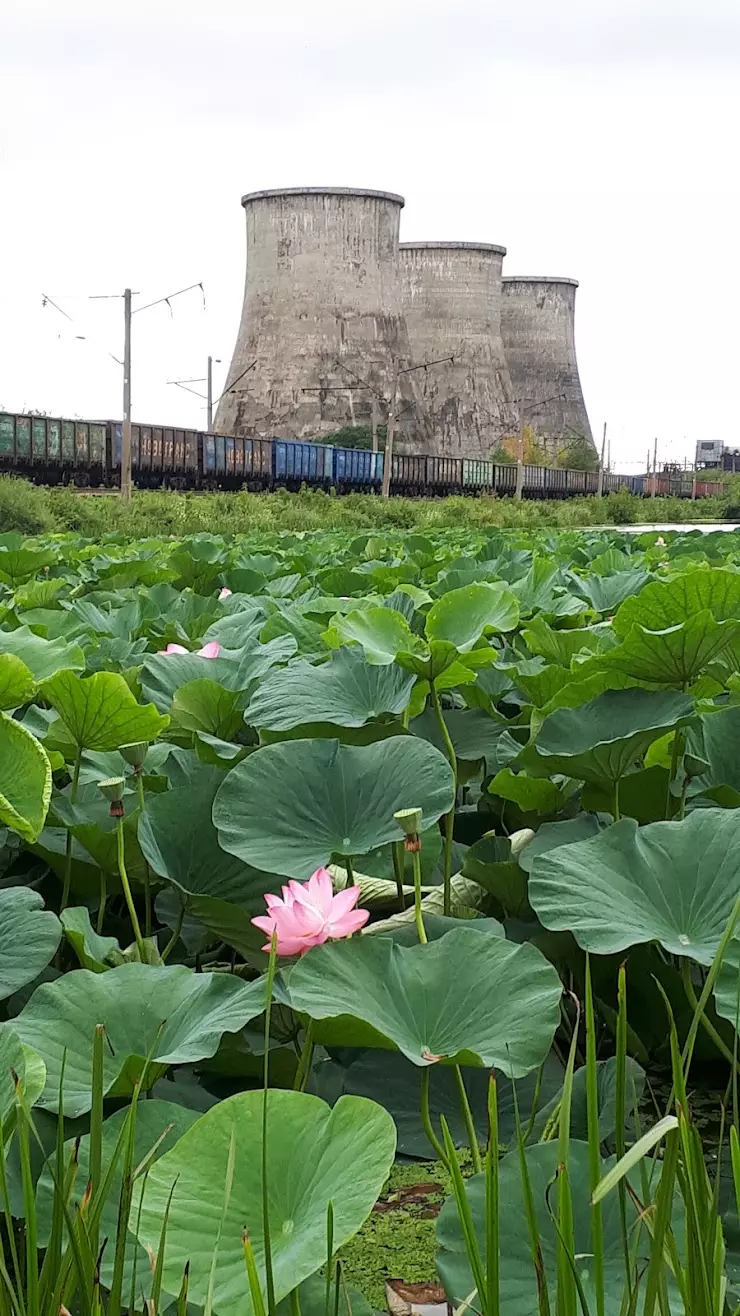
[538,331]
[452,303]
[322,310]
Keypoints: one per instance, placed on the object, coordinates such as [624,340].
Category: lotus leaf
[288,808]
[167,1013]
[518,1281]
[42,657]
[100,711]
[345,1156]
[348,691]
[180,843]
[427,1002]
[25,780]
[29,936]
[670,882]
[601,740]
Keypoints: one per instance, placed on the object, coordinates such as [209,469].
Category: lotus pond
[322,854]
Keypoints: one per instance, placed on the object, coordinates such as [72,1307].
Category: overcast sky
[593,138]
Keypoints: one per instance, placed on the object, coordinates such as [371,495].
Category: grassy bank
[35,510]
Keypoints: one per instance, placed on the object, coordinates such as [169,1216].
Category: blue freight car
[357,468]
[296,463]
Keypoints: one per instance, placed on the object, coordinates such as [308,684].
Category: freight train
[88,453]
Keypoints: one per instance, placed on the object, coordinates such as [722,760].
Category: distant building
[715,454]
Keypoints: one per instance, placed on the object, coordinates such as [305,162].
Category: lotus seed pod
[134,754]
[409,820]
[112,788]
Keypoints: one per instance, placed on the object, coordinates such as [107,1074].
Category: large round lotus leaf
[670,882]
[17,685]
[25,780]
[42,657]
[463,615]
[159,1125]
[207,707]
[290,807]
[166,1012]
[466,998]
[606,593]
[316,1156]
[518,1282]
[29,936]
[100,711]
[180,843]
[674,656]
[666,603]
[382,633]
[347,691]
[391,1079]
[602,739]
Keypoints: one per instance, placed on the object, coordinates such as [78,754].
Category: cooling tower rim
[539,278]
[453,246]
[269,193]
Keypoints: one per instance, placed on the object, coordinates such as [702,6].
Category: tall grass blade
[253,1279]
[96,1127]
[465,1217]
[493,1293]
[594,1144]
[535,1243]
[566,1246]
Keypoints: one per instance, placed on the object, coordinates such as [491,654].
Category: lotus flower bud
[134,754]
[409,820]
[113,788]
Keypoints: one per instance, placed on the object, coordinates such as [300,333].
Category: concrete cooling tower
[452,304]
[322,312]
[538,330]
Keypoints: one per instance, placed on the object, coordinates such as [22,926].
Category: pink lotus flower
[310,914]
[210,650]
[225,593]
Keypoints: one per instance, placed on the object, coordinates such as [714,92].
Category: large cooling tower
[452,303]
[538,330]
[322,315]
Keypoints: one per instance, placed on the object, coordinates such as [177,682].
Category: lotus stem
[103,899]
[420,929]
[617,814]
[351,879]
[269,1277]
[707,1024]
[147,884]
[469,1121]
[449,817]
[398,872]
[127,890]
[426,1119]
[68,848]
[304,1065]
[175,935]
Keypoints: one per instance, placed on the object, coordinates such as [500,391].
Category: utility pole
[519,465]
[209,395]
[126,428]
[600,489]
[375,423]
[609,456]
[655,469]
[693,483]
[388,458]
